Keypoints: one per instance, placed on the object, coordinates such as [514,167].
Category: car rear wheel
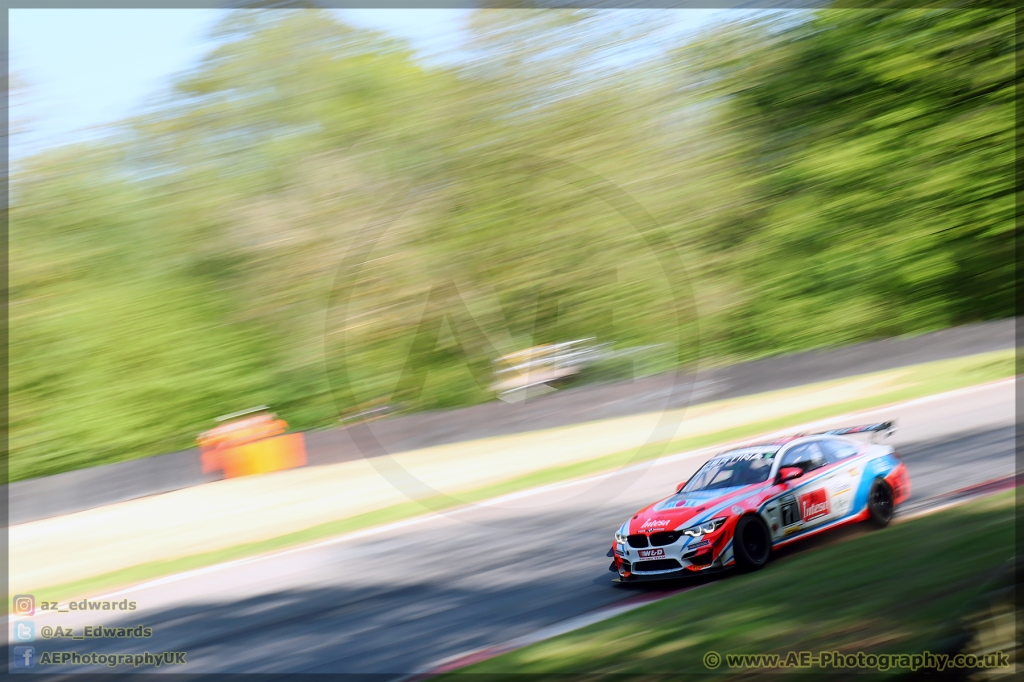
[752,544]
[880,503]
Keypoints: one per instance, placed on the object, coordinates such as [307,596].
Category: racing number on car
[789,510]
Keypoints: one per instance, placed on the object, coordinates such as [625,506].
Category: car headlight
[620,538]
[705,528]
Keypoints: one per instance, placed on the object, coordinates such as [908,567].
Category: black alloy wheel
[752,543]
[880,503]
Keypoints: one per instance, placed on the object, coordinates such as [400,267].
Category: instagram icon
[24,604]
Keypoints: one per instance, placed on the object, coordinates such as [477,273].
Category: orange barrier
[254,445]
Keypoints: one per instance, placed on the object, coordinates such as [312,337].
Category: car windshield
[742,467]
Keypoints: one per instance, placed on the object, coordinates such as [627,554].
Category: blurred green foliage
[315,217]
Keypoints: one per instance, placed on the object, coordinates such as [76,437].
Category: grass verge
[895,591]
[917,381]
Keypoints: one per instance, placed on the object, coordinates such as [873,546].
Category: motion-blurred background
[316,198]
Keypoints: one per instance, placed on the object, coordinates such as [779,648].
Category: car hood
[684,509]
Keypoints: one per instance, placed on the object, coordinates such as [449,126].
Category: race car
[745,502]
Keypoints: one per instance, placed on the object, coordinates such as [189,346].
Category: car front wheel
[752,544]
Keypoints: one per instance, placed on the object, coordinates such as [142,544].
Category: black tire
[881,503]
[751,543]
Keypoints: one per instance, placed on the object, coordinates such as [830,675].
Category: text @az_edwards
[26,605]
[96,632]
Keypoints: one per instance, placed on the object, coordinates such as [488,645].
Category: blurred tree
[808,179]
[880,151]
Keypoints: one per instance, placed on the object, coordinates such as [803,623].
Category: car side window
[837,449]
[807,456]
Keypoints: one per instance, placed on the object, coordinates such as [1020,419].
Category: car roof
[779,443]
[764,448]
[773,445]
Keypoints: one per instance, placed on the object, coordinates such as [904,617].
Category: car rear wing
[886,428]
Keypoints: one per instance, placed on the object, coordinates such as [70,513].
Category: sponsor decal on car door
[814,506]
[840,493]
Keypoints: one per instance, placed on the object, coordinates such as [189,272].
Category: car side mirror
[679,488]
[789,473]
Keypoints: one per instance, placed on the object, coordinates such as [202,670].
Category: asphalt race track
[398,599]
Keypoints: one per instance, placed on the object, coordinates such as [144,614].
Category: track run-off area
[406,597]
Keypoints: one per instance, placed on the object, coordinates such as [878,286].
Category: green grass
[919,380]
[899,590]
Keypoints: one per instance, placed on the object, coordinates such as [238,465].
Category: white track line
[377,530]
[465,659]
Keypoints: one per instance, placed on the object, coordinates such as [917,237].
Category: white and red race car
[745,502]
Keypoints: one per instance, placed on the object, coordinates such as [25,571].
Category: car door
[810,503]
[842,485]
